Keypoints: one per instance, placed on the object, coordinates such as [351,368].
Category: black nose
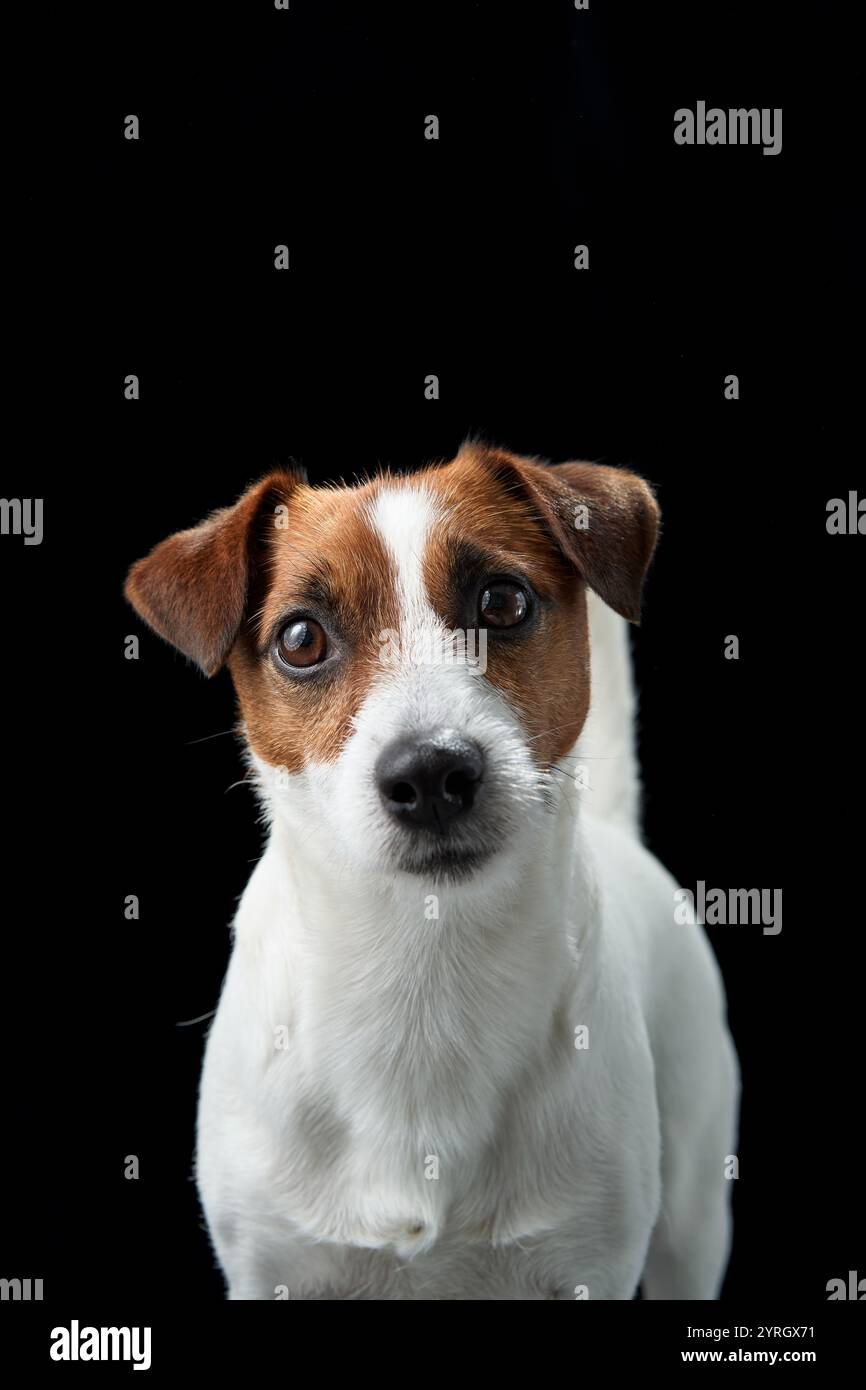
[429,780]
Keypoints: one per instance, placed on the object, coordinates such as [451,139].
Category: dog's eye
[503,604]
[302,643]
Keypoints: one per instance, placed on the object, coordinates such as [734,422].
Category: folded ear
[604,520]
[192,588]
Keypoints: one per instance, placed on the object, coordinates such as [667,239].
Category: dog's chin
[444,861]
[477,851]
[460,854]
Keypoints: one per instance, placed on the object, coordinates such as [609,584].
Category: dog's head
[410,655]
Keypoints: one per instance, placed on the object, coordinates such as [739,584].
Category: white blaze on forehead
[404,518]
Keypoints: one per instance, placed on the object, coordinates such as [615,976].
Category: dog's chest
[516,1223]
[410,1186]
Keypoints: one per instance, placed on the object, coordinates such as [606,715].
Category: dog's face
[410,655]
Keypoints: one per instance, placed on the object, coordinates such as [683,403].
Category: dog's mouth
[442,860]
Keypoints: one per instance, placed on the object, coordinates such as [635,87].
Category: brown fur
[292,722]
[192,588]
[545,675]
[220,590]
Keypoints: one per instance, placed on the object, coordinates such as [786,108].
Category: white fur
[404,518]
[606,749]
[358,1038]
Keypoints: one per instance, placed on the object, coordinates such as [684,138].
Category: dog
[463,1050]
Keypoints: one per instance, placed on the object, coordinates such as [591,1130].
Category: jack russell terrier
[463,1049]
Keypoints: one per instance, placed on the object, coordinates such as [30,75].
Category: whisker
[590,758]
[555,730]
[244,782]
[222,734]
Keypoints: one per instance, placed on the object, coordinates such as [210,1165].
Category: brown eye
[503,605]
[302,643]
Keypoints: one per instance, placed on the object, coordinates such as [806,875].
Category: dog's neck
[421,1002]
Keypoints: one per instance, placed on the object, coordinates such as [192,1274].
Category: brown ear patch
[604,520]
[192,588]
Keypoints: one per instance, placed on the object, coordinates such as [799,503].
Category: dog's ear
[604,520]
[192,588]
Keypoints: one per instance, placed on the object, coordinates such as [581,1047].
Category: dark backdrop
[411,257]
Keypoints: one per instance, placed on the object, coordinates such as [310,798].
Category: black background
[411,257]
